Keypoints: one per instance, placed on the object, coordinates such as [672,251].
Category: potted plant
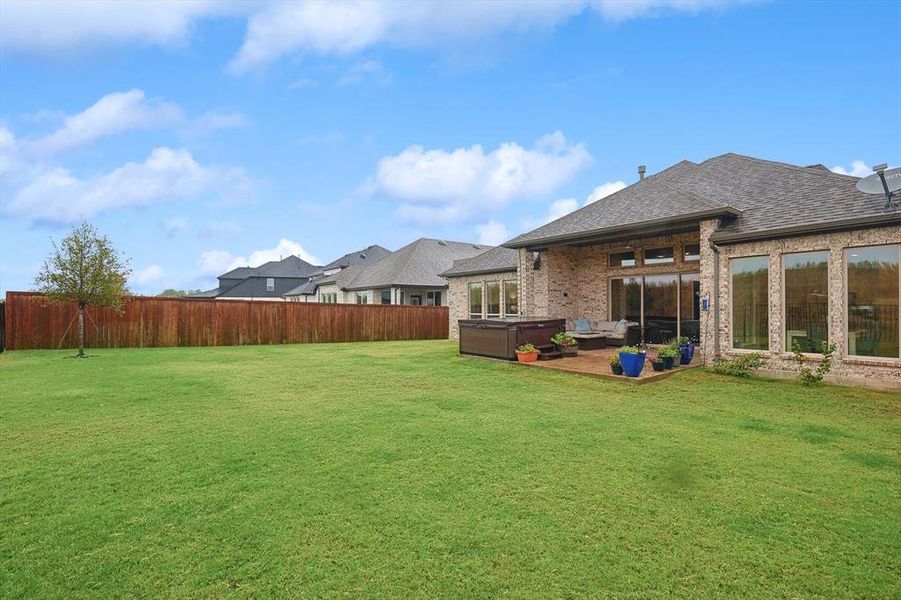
[566,343]
[668,354]
[686,350]
[527,353]
[632,360]
[615,367]
[657,363]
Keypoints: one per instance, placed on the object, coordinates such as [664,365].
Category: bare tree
[86,269]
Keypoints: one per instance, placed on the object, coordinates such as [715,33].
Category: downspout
[715,299]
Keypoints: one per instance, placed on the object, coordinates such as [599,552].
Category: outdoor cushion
[621,327]
[582,326]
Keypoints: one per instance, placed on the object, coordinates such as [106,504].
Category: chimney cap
[641,171]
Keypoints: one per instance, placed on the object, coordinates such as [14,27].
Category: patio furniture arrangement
[594,335]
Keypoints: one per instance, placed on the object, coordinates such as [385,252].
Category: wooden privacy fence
[33,321]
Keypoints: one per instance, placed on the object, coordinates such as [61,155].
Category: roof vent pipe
[641,172]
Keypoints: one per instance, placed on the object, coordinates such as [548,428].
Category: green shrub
[667,352]
[563,339]
[614,360]
[629,350]
[810,376]
[740,366]
[526,348]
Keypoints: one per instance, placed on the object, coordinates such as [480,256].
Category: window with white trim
[270,284]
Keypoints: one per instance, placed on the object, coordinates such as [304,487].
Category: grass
[400,469]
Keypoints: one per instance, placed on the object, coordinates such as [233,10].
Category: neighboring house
[306,292]
[410,275]
[269,281]
[745,255]
[484,286]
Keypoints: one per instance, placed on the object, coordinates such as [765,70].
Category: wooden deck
[595,363]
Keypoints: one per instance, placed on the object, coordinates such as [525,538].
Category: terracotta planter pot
[526,356]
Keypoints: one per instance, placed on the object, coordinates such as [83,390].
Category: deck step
[549,355]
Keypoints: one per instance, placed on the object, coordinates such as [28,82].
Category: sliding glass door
[666,306]
[661,308]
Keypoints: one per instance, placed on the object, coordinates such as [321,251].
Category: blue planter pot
[686,352]
[668,363]
[632,364]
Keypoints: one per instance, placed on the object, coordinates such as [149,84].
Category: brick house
[743,254]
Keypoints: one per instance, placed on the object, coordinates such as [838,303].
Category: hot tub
[499,338]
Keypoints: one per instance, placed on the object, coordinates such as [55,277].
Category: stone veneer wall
[777,359]
[458,296]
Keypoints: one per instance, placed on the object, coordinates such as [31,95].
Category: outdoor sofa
[599,334]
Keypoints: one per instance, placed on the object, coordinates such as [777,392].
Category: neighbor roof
[291,266]
[350,264]
[494,260]
[417,264]
[758,198]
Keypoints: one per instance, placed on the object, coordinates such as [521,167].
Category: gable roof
[757,198]
[494,260]
[368,254]
[290,266]
[416,264]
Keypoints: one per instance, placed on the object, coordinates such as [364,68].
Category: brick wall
[458,296]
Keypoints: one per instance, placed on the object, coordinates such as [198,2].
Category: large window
[750,308]
[511,298]
[658,256]
[806,289]
[386,296]
[665,305]
[622,259]
[475,300]
[691,252]
[873,300]
[690,306]
[362,298]
[433,298]
[660,308]
[493,297]
[328,297]
[625,299]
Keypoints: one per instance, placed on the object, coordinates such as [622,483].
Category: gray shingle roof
[290,266]
[764,197]
[417,264]
[495,260]
[369,254]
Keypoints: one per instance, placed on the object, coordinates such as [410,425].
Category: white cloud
[276,29]
[345,28]
[148,275]
[56,195]
[174,226]
[858,169]
[216,262]
[112,114]
[493,233]
[440,185]
[62,26]
[213,121]
[9,152]
[604,190]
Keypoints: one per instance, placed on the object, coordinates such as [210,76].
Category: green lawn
[400,469]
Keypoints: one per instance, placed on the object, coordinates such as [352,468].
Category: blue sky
[204,135]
